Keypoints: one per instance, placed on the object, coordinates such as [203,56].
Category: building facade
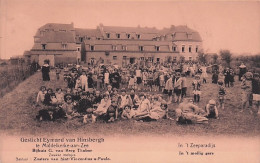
[62,43]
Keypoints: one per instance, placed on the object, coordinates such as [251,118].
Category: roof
[57,26]
[129,29]
[88,32]
[58,37]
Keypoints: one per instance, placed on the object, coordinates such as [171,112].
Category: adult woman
[45,71]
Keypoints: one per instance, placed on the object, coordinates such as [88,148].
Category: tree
[226,56]
[202,57]
[214,58]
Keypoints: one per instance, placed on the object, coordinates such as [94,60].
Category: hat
[212,102]
[141,94]
[67,96]
[220,82]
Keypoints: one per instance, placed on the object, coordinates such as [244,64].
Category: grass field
[18,113]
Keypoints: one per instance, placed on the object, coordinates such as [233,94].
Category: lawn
[18,113]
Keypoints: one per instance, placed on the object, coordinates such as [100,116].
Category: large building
[62,43]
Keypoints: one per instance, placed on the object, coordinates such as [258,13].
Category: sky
[234,26]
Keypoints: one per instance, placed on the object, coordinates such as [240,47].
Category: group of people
[109,93]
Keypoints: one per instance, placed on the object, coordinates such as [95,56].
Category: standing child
[221,94]
[196,88]
[246,86]
[84,81]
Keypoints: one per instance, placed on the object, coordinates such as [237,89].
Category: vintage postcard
[129,81]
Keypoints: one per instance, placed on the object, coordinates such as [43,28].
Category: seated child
[47,97]
[211,109]
[127,112]
[89,117]
[103,106]
[68,107]
[59,95]
[112,112]
[41,95]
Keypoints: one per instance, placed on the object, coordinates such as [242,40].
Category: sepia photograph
[129,81]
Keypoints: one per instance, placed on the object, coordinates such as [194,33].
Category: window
[138,36]
[78,49]
[189,36]
[81,39]
[124,47]
[158,59]
[128,35]
[141,48]
[190,49]
[114,47]
[108,35]
[183,48]
[174,48]
[92,47]
[64,46]
[114,57]
[142,58]
[124,57]
[157,48]
[118,35]
[43,46]
[197,48]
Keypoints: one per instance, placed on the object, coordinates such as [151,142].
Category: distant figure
[242,71]
[46,71]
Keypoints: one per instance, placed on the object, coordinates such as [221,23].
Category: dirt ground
[18,113]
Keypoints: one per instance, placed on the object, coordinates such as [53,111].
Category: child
[177,87]
[84,81]
[246,86]
[47,97]
[196,88]
[68,106]
[89,117]
[41,95]
[132,81]
[169,88]
[127,112]
[103,106]
[211,109]
[59,95]
[183,86]
[221,94]
[112,112]
[58,71]
[256,93]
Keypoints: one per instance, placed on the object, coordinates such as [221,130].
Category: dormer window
[108,35]
[138,36]
[183,48]
[190,48]
[43,46]
[128,36]
[117,35]
[114,47]
[189,36]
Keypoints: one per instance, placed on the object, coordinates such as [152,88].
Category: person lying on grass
[127,113]
[188,113]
